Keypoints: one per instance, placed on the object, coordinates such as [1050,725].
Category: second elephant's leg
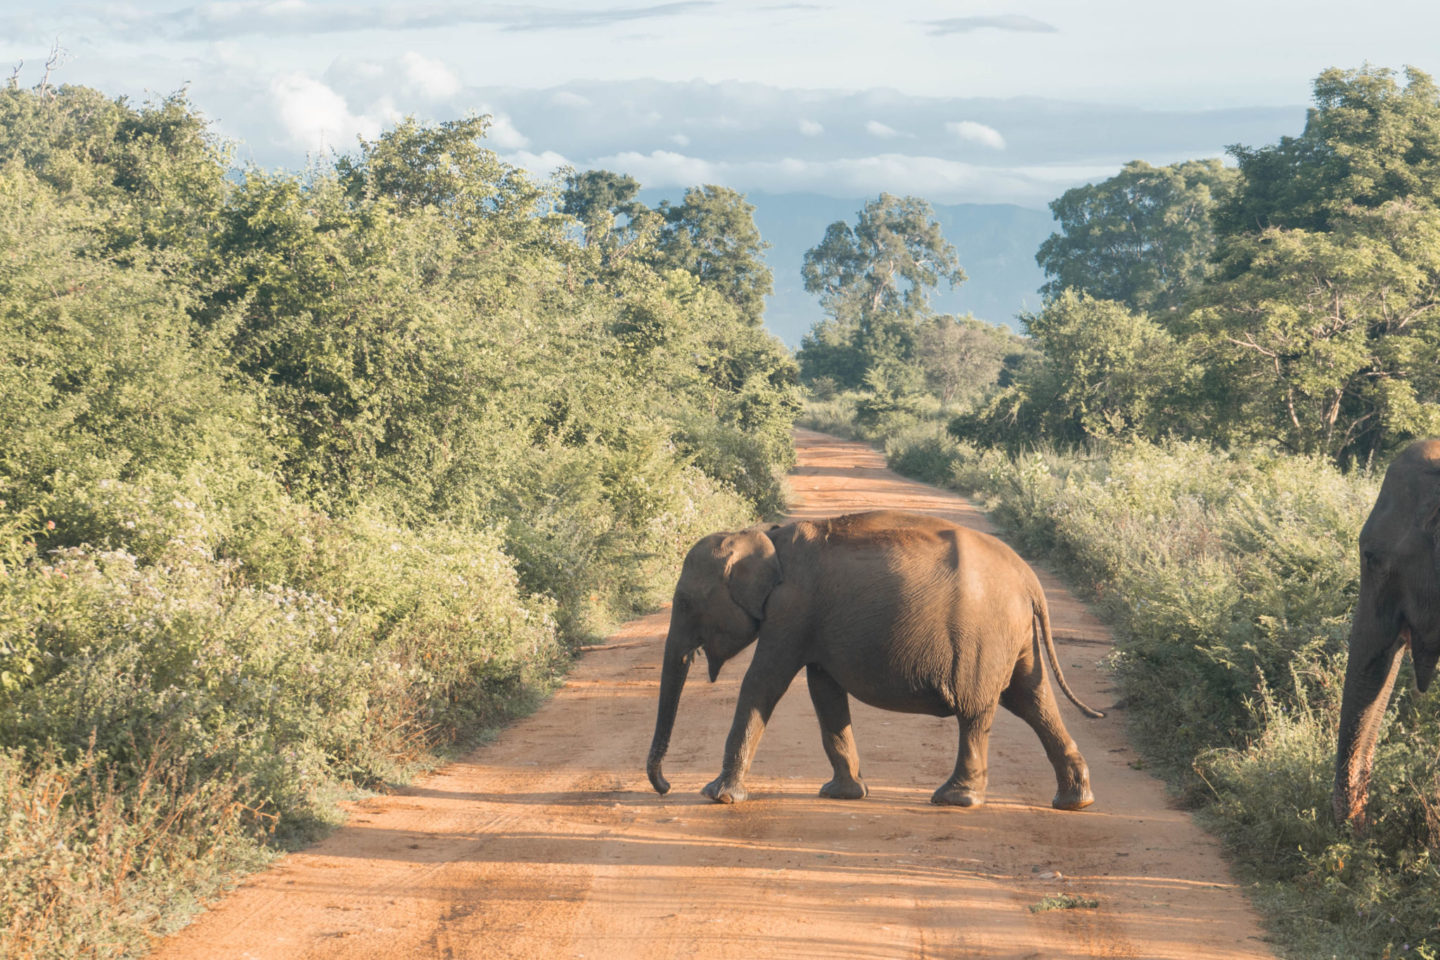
[1030,698]
[832,708]
[966,786]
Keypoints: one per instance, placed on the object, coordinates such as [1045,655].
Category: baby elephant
[905,612]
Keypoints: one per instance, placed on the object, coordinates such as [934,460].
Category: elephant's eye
[1372,560]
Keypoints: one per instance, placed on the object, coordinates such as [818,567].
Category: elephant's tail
[1042,617]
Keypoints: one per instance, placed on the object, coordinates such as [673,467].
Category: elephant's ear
[752,570]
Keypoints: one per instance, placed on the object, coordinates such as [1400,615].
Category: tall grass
[199,691]
[1230,577]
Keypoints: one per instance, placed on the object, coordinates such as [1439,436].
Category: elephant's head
[1399,606]
[718,606]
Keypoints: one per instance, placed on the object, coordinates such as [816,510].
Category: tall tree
[1324,304]
[1367,140]
[712,234]
[891,260]
[962,357]
[1142,237]
[1329,341]
[874,279]
[598,198]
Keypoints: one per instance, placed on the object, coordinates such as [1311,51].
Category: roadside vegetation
[1194,428]
[309,478]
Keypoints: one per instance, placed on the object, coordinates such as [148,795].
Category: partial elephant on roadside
[904,612]
[1399,607]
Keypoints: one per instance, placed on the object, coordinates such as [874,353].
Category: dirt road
[550,843]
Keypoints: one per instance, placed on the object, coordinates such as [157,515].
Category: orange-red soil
[550,843]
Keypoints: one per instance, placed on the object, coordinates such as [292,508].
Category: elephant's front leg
[832,708]
[966,786]
[764,684]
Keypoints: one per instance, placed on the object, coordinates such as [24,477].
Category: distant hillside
[996,243]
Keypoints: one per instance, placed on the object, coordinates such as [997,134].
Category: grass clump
[1063,901]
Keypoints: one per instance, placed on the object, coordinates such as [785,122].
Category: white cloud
[502,133]
[977,133]
[380,92]
[811,128]
[936,178]
[540,164]
[877,129]
[1017,22]
[429,78]
[568,98]
[315,118]
[679,139]
[662,168]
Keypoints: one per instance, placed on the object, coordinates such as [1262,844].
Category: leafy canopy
[889,261]
[711,234]
[1143,237]
[874,280]
[1367,140]
[1106,371]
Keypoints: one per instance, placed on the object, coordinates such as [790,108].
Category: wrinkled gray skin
[1399,606]
[903,612]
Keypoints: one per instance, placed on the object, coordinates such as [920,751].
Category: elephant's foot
[1072,787]
[1074,798]
[846,789]
[722,791]
[954,795]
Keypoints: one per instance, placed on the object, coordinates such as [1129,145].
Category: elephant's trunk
[1369,679]
[672,681]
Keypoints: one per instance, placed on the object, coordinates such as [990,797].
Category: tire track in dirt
[549,842]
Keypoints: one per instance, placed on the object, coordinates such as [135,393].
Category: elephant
[902,611]
[1398,607]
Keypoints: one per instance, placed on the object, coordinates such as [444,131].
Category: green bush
[924,451]
[1230,577]
[875,417]
[306,481]
[833,414]
[97,865]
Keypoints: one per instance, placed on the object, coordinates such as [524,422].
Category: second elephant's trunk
[1369,679]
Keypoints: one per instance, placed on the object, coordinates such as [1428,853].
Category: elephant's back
[912,557]
[926,538]
[931,600]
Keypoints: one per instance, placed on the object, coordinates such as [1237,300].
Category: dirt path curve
[549,843]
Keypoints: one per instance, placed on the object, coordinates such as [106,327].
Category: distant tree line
[1290,298]
[874,279]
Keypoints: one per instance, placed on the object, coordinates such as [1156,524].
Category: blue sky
[955,101]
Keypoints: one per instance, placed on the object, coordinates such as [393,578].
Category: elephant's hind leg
[832,708]
[966,786]
[1030,698]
